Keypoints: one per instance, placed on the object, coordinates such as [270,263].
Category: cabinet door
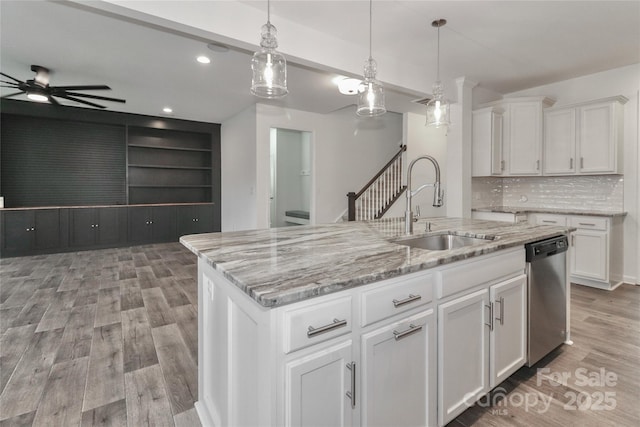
[560,142]
[508,338]
[463,352]
[82,227]
[316,388]
[398,373]
[164,223]
[17,234]
[139,224]
[47,225]
[204,218]
[108,225]
[497,155]
[186,216]
[597,138]
[524,146]
[590,255]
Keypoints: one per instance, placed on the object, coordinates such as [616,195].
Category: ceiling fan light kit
[438,108]
[269,66]
[38,89]
[371,92]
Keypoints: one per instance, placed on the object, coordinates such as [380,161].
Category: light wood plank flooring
[109,337]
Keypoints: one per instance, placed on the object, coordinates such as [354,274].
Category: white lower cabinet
[415,350]
[590,255]
[398,373]
[317,386]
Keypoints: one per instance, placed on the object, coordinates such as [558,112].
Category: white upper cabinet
[584,138]
[507,137]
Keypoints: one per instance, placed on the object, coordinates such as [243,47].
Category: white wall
[620,81]
[346,151]
[238,175]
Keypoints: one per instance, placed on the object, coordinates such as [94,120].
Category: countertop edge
[517,210]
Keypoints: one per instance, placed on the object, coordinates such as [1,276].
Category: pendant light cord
[370,25]
[438,63]
[268,11]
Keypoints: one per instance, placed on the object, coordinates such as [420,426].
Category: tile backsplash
[598,192]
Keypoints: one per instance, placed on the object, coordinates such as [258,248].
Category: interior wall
[346,152]
[238,158]
[620,81]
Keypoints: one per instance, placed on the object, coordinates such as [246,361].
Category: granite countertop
[560,211]
[279,266]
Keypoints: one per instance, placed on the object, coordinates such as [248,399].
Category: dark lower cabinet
[151,224]
[97,227]
[33,231]
[194,219]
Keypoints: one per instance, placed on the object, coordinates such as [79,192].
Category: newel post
[351,216]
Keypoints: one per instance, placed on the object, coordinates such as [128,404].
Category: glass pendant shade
[269,67]
[438,109]
[371,92]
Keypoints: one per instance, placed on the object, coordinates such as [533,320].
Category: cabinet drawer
[396,297]
[589,222]
[544,219]
[315,323]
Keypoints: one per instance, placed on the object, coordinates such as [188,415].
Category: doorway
[291,175]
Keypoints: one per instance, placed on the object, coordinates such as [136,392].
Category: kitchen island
[343,324]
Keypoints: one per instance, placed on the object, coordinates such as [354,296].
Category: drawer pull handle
[587,224]
[412,330]
[549,221]
[410,298]
[312,332]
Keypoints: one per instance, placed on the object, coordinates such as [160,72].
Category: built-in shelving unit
[168,166]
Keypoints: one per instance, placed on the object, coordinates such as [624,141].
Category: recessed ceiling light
[203,59]
[167,110]
[349,86]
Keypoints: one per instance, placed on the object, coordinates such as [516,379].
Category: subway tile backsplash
[599,192]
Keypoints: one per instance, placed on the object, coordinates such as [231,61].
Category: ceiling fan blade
[85,87]
[71,98]
[12,94]
[9,83]
[86,95]
[53,101]
[12,78]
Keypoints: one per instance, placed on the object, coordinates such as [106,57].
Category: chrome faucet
[438,194]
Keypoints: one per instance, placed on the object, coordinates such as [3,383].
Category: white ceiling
[506,46]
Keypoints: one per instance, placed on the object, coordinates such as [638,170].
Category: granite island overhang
[280,266]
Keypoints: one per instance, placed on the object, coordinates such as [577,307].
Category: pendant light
[269,66]
[371,96]
[438,109]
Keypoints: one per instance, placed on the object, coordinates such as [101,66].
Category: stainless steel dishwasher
[547,291]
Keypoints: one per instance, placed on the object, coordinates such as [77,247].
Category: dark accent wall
[51,162]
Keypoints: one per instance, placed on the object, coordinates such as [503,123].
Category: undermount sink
[443,242]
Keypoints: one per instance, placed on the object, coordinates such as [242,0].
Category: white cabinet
[463,353]
[487,142]
[500,216]
[560,142]
[396,360]
[319,388]
[596,251]
[584,138]
[508,347]
[548,219]
[507,137]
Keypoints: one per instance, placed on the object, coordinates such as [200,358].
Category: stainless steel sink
[443,242]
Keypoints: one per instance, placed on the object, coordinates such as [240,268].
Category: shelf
[168,186]
[204,168]
[156,147]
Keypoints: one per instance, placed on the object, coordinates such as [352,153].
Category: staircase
[377,196]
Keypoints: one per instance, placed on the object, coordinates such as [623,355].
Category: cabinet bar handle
[490,324]
[587,223]
[502,165]
[537,165]
[573,240]
[351,394]
[412,330]
[548,221]
[501,318]
[410,298]
[571,163]
[581,162]
[326,328]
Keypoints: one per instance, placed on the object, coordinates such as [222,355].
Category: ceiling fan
[38,89]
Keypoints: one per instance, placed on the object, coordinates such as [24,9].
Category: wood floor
[110,338]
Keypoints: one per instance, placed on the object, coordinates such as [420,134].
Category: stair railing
[377,196]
